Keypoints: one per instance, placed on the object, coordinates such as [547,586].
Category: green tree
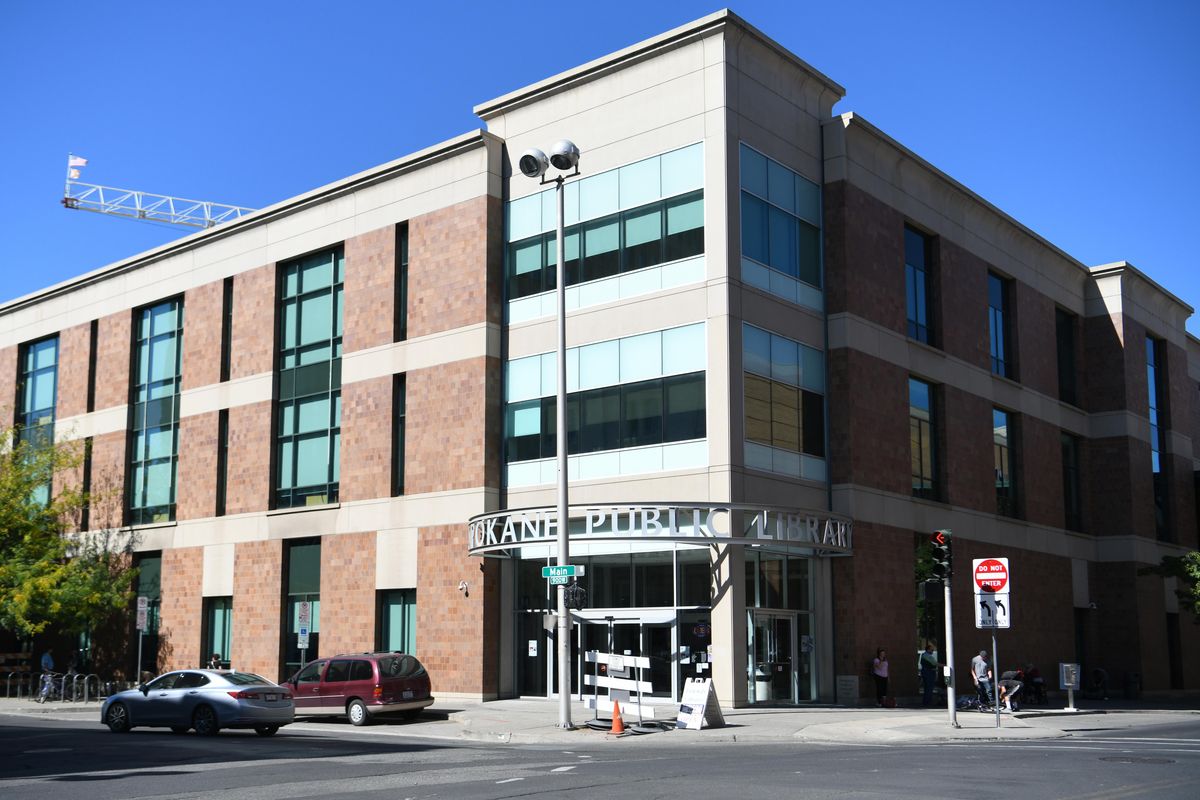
[52,578]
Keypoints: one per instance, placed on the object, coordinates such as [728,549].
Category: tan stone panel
[8,385]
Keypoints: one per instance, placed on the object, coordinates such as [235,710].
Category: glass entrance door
[773,661]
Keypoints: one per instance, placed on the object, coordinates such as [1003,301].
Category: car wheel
[266,730]
[117,718]
[410,715]
[357,712]
[180,729]
[204,720]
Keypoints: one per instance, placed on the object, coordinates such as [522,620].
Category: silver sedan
[204,699]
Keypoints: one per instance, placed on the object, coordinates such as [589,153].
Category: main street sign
[565,571]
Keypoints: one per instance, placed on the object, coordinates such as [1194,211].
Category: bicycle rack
[92,679]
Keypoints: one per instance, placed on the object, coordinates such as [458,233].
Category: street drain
[1134,760]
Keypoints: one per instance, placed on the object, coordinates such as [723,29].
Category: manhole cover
[1135,760]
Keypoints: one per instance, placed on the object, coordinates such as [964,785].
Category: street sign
[565,571]
[559,580]
[992,601]
[143,613]
[302,639]
[991,574]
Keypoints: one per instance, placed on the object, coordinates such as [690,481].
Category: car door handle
[193,691]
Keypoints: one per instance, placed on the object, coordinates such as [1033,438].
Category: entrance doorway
[772,667]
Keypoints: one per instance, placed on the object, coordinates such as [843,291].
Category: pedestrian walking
[981,674]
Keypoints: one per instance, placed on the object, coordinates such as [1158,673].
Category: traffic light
[942,562]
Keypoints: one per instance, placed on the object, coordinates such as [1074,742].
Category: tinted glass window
[361,671]
[400,666]
[338,672]
[250,679]
[191,680]
[310,674]
[167,681]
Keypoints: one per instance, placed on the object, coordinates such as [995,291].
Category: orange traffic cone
[618,725]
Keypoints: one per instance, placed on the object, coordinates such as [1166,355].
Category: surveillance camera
[1092,605]
[564,155]
[533,163]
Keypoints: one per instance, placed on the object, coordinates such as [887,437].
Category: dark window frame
[1000,350]
[925,482]
[918,285]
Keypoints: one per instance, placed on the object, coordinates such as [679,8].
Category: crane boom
[144,205]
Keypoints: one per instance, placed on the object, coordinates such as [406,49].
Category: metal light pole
[564,155]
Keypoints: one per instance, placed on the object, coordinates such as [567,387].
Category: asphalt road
[49,760]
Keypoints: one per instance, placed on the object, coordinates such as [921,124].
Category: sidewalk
[535,722]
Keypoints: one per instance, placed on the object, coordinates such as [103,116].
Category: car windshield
[245,679]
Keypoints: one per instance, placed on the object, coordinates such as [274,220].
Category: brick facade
[182,607]
[114,344]
[258,607]
[252,346]
[248,487]
[74,363]
[370,290]
[348,593]
[202,318]
[367,437]
[8,385]
[196,474]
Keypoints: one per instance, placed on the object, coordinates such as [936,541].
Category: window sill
[149,526]
[301,509]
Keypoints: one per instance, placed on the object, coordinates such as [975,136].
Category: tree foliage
[51,577]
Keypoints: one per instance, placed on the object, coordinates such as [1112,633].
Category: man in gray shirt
[981,673]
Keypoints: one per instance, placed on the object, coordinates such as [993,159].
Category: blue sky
[1077,118]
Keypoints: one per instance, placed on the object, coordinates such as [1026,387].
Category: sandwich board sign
[698,708]
[992,602]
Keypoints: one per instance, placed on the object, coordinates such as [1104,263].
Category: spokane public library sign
[809,532]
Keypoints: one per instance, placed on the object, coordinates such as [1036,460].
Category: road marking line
[510,780]
[563,769]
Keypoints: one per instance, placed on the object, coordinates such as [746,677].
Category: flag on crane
[76,161]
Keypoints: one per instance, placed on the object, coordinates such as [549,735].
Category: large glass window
[309,411]
[149,586]
[218,629]
[784,386]
[155,430]
[1002,449]
[398,620]
[921,436]
[780,218]
[916,283]
[303,559]
[38,391]
[652,234]
[999,320]
[1156,407]
[1072,515]
[1064,337]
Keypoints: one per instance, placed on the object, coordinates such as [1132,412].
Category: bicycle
[51,689]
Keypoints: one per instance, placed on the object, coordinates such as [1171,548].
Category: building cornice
[641,51]
[1124,268]
[420,159]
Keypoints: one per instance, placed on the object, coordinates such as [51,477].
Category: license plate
[408,694]
[271,698]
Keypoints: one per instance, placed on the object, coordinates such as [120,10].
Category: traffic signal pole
[951,706]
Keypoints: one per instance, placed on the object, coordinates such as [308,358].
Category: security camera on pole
[564,156]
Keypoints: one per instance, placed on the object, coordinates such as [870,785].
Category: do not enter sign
[991,575]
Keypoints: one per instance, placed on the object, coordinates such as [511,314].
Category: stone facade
[348,603]
[182,606]
[258,607]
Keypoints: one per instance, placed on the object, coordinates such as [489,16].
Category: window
[399,401]
[1002,442]
[311,673]
[398,620]
[663,231]
[226,328]
[155,408]
[400,324]
[921,435]
[1156,402]
[38,391]
[218,628]
[998,326]
[1064,334]
[308,420]
[1072,514]
[916,283]
[93,336]
[303,560]
[222,463]
[149,586]
[784,385]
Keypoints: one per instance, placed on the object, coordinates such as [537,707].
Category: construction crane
[143,205]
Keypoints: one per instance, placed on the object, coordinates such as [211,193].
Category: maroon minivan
[361,686]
